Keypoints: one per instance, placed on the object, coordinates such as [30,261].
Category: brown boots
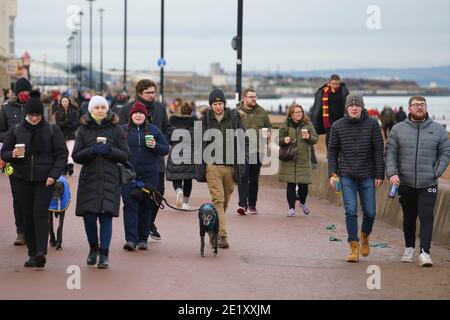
[364,249]
[354,252]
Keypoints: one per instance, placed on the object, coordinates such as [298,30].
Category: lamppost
[80,71]
[26,60]
[101,10]
[75,55]
[125,50]
[237,45]
[90,43]
[161,85]
[45,69]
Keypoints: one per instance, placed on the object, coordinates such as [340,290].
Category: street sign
[161,62]
[13,64]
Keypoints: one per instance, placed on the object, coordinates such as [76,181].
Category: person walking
[297,172]
[180,164]
[417,154]
[255,118]
[38,154]
[157,115]
[355,154]
[99,145]
[68,120]
[11,114]
[146,143]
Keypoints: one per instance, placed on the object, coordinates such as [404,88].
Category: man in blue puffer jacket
[417,154]
[144,158]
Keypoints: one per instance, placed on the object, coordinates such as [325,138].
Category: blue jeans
[137,216]
[90,225]
[366,190]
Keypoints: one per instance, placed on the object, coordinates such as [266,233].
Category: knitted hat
[354,99]
[34,105]
[216,95]
[139,107]
[23,84]
[97,101]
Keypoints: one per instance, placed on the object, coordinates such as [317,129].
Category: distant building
[8,13]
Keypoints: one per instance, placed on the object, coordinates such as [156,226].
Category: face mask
[23,96]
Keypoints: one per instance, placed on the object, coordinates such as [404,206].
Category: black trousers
[186,185]
[418,202]
[291,195]
[155,208]
[248,188]
[34,200]
[18,215]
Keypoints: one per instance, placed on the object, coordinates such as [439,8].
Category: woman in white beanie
[99,145]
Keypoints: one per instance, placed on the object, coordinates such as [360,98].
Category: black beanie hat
[23,84]
[34,105]
[216,95]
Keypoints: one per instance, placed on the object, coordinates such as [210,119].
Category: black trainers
[143,245]
[130,246]
[92,257]
[70,168]
[30,263]
[154,234]
[223,243]
[103,261]
[40,260]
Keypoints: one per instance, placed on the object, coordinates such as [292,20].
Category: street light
[236,43]
[161,85]
[101,10]
[45,67]
[26,60]
[125,50]
[90,43]
[80,71]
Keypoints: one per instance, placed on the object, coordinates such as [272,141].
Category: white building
[8,13]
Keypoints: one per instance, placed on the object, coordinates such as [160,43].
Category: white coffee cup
[101,140]
[304,133]
[21,148]
[265,132]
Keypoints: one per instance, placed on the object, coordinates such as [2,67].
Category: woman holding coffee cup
[146,143]
[297,173]
[99,145]
[38,155]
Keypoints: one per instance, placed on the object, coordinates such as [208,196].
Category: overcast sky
[285,34]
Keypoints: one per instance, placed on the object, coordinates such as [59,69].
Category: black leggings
[186,185]
[291,194]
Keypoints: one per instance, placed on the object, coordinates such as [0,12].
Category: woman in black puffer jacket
[181,174]
[68,119]
[98,195]
[35,173]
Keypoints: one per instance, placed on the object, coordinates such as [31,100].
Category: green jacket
[255,119]
[298,171]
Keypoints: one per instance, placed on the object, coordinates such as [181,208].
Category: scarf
[97,119]
[327,90]
[150,105]
[37,140]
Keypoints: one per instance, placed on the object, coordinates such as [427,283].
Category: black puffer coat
[99,184]
[68,121]
[355,149]
[184,171]
[50,155]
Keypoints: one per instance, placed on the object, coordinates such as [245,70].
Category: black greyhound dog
[56,241]
[209,223]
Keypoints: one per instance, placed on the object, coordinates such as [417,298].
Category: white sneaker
[291,213]
[179,202]
[186,206]
[408,256]
[425,259]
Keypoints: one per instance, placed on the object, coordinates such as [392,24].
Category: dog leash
[158,199]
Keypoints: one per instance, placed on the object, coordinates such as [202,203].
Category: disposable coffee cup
[265,132]
[304,132]
[21,148]
[101,140]
[148,138]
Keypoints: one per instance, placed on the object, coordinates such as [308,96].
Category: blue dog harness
[62,203]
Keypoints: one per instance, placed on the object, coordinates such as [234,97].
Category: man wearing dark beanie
[11,114]
[35,173]
[217,170]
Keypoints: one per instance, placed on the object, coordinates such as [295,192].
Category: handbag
[288,151]
[127,173]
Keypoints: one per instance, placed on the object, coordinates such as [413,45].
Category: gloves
[101,149]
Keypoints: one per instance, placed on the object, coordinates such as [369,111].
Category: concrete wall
[388,210]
